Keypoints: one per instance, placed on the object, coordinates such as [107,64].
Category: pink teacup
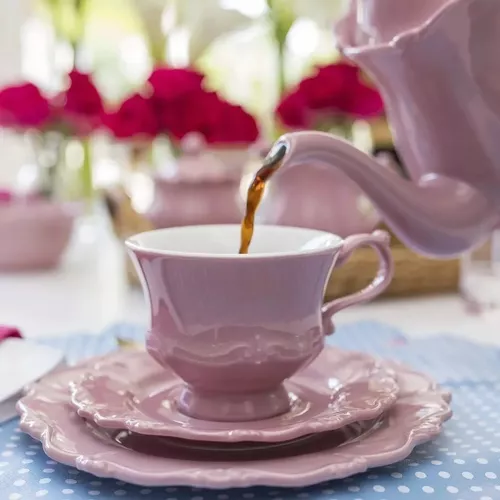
[235,327]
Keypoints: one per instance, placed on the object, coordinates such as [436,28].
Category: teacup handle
[380,242]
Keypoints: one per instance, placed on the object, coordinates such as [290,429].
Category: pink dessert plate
[130,391]
[47,415]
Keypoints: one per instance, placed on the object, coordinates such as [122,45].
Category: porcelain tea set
[236,386]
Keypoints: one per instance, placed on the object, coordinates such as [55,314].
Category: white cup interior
[224,240]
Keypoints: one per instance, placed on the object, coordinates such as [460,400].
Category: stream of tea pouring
[271,163]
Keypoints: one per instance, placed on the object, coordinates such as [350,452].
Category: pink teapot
[436,64]
[202,189]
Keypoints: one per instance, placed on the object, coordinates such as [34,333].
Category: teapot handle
[380,242]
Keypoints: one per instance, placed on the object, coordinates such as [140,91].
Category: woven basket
[126,222]
[413,274]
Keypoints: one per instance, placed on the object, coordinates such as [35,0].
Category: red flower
[345,73]
[292,111]
[171,84]
[356,98]
[135,118]
[180,100]
[366,103]
[196,114]
[326,89]
[336,91]
[183,106]
[217,120]
[82,107]
[234,126]
[23,106]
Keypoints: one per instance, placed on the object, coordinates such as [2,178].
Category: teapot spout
[438,217]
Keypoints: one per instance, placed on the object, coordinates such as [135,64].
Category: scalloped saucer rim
[416,417]
[110,395]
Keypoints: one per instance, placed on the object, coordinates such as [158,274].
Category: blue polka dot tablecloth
[462,464]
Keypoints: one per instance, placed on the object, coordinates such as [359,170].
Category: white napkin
[22,362]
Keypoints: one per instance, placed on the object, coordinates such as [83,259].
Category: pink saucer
[46,415]
[166,447]
[128,390]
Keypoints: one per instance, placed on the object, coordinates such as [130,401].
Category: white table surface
[89,292]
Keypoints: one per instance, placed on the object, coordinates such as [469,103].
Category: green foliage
[282,18]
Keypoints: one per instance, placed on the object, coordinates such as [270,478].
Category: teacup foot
[220,407]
